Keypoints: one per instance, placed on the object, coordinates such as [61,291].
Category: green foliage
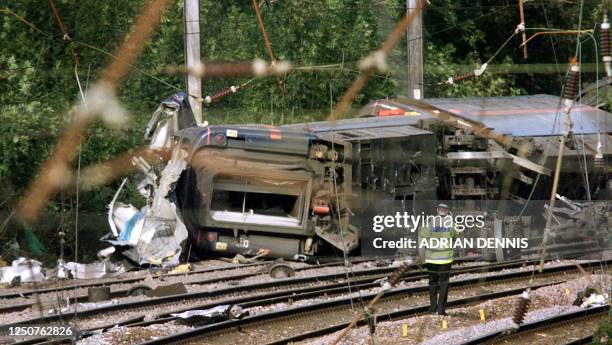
[603,335]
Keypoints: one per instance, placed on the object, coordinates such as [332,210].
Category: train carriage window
[258,196]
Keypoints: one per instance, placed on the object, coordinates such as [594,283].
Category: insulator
[370,316]
[223,93]
[572,83]
[520,311]
[598,161]
[397,275]
[606,48]
[458,78]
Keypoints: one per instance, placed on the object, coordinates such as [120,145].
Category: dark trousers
[438,286]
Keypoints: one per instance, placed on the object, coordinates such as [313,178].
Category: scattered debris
[594,300]
[98,293]
[91,305]
[221,312]
[580,296]
[241,259]
[167,290]
[281,270]
[60,270]
[154,234]
[99,269]
[181,269]
[22,270]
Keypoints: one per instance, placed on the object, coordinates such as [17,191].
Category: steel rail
[316,291]
[334,289]
[123,293]
[377,272]
[119,281]
[502,335]
[409,312]
[320,308]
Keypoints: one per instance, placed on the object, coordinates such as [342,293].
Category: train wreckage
[297,190]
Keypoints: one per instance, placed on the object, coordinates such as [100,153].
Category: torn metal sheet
[594,300]
[173,114]
[60,270]
[154,234]
[100,269]
[111,209]
[129,221]
[222,311]
[25,270]
[159,239]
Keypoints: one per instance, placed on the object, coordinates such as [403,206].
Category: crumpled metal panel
[27,270]
[155,234]
[100,269]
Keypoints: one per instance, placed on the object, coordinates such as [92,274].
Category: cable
[22,19]
[537,179]
[586,171]
[65,37]
[458,78]
[264,33]
[75,56]
[570,90]
[552,43]
[130,65]
[78,180]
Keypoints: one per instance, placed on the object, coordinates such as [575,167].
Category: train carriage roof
[522,116]
[359,123]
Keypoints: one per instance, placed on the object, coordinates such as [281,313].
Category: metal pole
[414,35]
[192,56]
[522,24]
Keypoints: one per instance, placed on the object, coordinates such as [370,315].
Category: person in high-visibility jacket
[439,259]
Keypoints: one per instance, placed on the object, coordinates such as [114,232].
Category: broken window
[257,200]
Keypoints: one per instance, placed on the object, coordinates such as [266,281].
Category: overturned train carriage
[301,189]
[307,189]
[290,191]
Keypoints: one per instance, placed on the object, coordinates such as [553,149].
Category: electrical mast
[414,36]
[192,56]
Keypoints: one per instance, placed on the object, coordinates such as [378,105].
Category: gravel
[51,300]
[464,323]
[423,282]
[132,335]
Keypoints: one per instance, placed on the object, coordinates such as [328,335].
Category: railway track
[135,281]
[146,304]
[313,320]
[260,294]
[298,293]
[105,282]
[291,285]
[70,285]
[552,330]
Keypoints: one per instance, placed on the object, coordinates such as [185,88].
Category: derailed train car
[303,189]
[290,191]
